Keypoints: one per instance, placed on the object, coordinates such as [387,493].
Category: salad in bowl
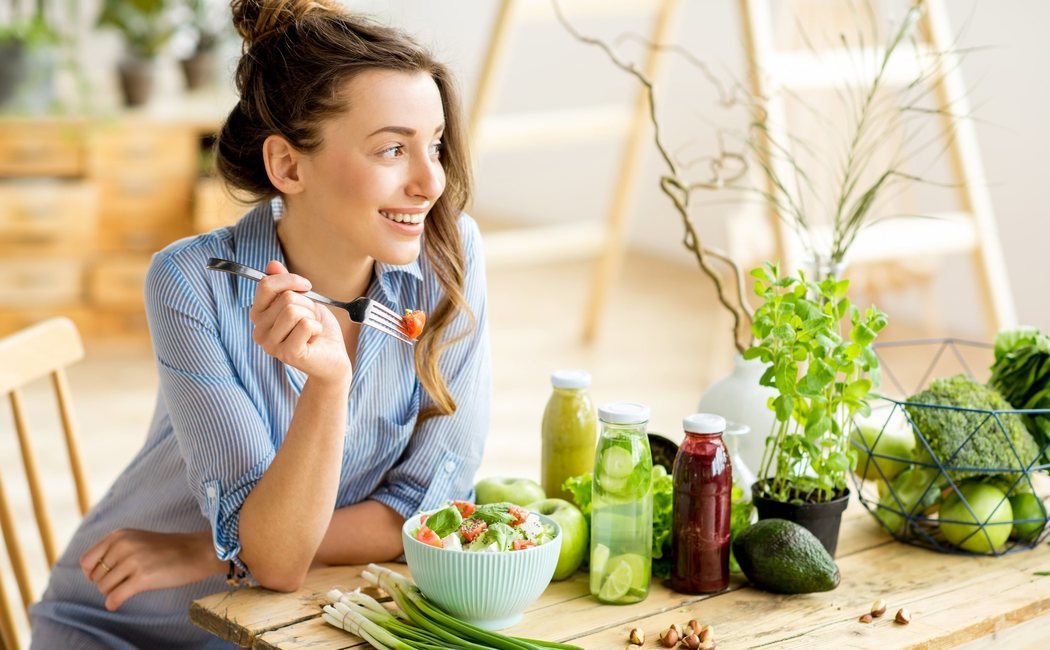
[484,564]
[491,528]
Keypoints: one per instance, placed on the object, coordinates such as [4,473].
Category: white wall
[548,69]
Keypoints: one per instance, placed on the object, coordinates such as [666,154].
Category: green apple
[1028,506]
[575,536]
[873,441]
[990,509]
[519,491]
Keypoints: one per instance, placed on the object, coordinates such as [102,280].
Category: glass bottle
[622,506]
[569,430]
[703,490]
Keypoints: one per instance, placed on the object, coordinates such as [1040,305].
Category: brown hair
[297,56]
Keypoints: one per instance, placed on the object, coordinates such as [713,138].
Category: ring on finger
[105,566]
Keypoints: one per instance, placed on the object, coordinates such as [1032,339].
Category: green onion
[415,624]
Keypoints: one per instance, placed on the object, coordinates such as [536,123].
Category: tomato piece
[428,536]
[412,323]
[470,529]
[519,514]
[423,518]
[522,544]
[466,508]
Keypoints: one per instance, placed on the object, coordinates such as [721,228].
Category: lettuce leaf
[580,489]
[444,521]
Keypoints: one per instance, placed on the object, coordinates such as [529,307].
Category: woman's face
[378,172]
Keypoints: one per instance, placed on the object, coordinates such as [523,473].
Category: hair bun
[257,20]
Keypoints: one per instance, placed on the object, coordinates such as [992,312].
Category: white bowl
[490,590]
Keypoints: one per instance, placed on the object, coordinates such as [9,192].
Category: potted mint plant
[817,349]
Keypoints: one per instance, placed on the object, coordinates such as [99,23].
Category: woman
[284,434]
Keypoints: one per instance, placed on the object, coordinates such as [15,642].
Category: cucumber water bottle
[622,506]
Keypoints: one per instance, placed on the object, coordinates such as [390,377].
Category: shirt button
[450,467]
[211,491]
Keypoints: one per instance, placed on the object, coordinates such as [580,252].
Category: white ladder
[604,240]
[970,230]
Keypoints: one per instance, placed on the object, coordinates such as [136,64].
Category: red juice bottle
[703,491]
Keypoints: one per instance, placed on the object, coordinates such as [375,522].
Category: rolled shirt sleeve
[445,451]
[223,438]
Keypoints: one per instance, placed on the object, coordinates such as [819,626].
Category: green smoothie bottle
[570,427]
[622,506]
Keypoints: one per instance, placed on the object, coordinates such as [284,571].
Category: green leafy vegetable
[580,489]
[663,504]
[964,438]
[499,534]
[739,520]
[1021,373]
[445,521]
[822,373]
[494,513]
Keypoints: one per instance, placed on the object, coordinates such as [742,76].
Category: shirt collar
[255,244]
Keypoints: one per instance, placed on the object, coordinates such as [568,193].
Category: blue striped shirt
[225,406]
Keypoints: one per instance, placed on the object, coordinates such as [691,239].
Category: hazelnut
[678,629]
[903,616]
[865,618]
[670,637]
[692,642]
[694,625]
[708,645]
[878,608]
[637,636]
[707,633]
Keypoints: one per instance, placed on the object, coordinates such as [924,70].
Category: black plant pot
[821,519]
[199,70]
[136,80]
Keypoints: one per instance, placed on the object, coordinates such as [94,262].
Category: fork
[362,310]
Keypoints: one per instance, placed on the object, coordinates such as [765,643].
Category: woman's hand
[128,562]
[295,329]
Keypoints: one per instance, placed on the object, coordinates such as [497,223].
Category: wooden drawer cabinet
[143,148]
[41,148]
[34,282]
[213,207]
[83,207]
[47,212]
[118,283]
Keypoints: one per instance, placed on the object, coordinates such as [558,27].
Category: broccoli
[948,431]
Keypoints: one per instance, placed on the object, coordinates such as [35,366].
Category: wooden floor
[663,340]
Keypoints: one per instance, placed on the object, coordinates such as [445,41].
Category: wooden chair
[45,349]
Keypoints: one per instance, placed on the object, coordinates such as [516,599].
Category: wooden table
[953,600]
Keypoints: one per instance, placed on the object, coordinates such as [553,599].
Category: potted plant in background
[27,61]
[827,218]
[146,27]
[206,19]
[823,377]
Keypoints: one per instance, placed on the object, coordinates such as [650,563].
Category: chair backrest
[43,350]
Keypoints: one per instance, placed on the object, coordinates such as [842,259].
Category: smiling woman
[284,434]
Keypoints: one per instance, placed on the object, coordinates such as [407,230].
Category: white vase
[740,399]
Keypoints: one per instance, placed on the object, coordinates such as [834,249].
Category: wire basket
[938,502]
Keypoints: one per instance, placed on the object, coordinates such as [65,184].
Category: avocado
[780,556]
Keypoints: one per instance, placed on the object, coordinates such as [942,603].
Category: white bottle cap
[571,379]
[704,423]
[624,413]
